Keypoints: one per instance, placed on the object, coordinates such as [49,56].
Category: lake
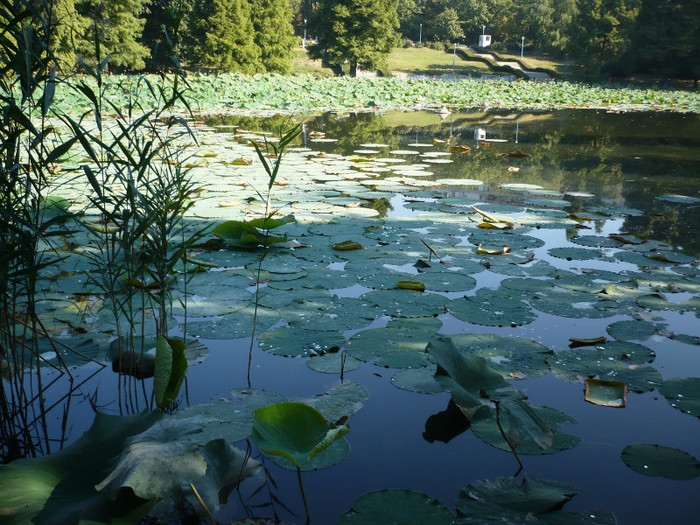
[600,215]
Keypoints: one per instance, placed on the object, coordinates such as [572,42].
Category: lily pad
[574,254]
[658,460]
[400,345]
[513,357]
[531,429]
[683,394]
[333,363]
[636,330]
[420,380]
[509,500]
[606,393]
[292,341]
[343,400]
[492,308]
[384,507]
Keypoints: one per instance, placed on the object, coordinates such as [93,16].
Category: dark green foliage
[274,37]
[220,35]
[359,32]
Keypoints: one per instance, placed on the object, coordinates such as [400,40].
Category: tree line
[602,37]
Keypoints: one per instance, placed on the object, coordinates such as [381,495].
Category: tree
[274,34]
[599,32]
[220,35]
[164,28]
[665,40]
[356,31]
[446,26]
[117,25]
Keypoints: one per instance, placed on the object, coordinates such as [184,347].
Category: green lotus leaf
[606,393]
[170,370]
[293,341]
[513,357]
[509,500]
[636,330]
[574,254]
[227,467]
[492,308]
[420,380]
[683,394]
[230,418]
[293,430]
[400,345]
[464,376]
[396,506]
[60,488]
[332,363]
[270,223]
[343,400]
[530,429]
[658,460]
[611,361]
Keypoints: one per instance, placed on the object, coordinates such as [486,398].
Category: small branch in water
[432,251]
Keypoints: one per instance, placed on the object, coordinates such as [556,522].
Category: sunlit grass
[425,61]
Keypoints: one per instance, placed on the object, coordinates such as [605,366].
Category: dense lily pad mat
[306,93]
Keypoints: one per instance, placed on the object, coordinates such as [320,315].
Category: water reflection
[580,158]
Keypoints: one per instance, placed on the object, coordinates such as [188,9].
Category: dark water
[411,441]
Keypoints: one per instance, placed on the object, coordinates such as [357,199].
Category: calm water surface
[400,439]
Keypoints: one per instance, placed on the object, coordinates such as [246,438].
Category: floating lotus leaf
[460,182]
[491,308]
[683,394]
[611,361]
[509,500]
[396,506]
[333,363]
[574,254]
[400,345]
[344,400]
[546,218]
[291,341]
[640,259]
[575,305]
[687,339]
[333,314]
[520,187]
[657,460]
[526,285]
[605,393]
[534,428]
[420,380]
[513,240]
[678,199]
[406,303]
[636,330]
[596,241]
[616,211]
[235,325]
[448,280]
[230,418]
[513,357]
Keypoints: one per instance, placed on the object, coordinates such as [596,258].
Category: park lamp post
[483,30]
[454,59]
[303,42]
[420,34]
[522,46]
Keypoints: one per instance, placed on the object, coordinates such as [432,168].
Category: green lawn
[425,61]
[301,63]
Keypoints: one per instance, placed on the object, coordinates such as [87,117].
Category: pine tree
[220,35]
[117,25]
[356,31]
[274,34]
